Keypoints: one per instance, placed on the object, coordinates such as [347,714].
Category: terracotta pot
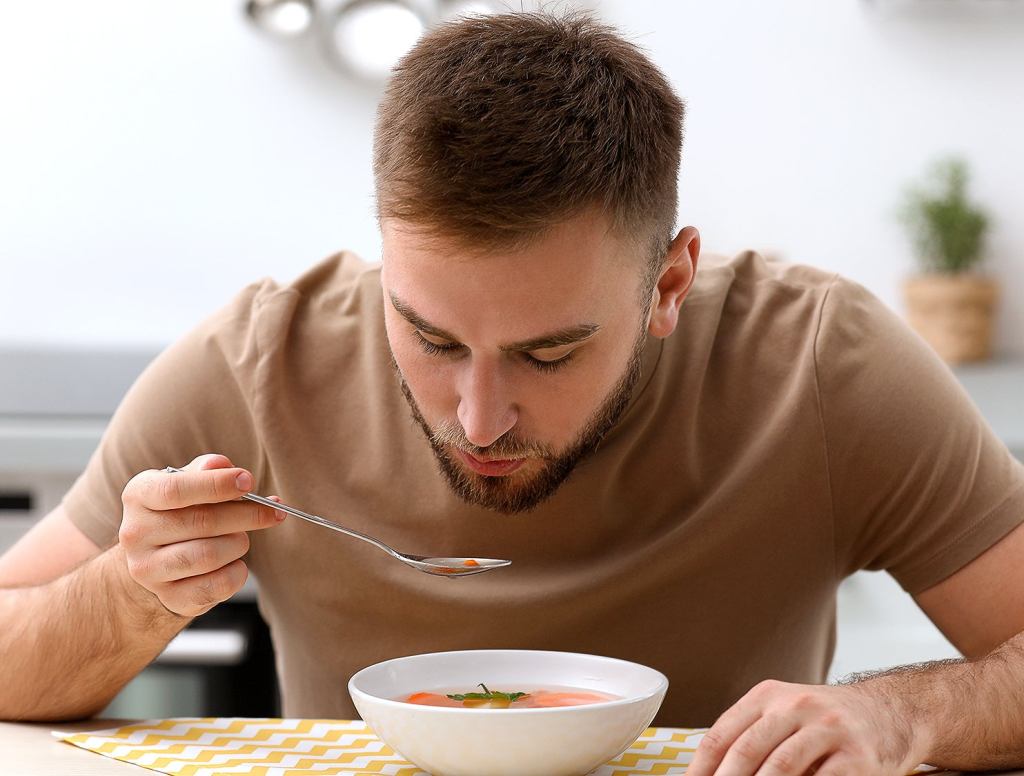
[953,313]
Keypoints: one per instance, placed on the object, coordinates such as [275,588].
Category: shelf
[998,390]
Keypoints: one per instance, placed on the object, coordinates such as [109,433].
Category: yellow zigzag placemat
[310,747]
[192,746]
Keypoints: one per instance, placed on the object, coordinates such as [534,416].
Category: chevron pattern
[196,746]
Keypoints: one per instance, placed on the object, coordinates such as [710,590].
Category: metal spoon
[447,567]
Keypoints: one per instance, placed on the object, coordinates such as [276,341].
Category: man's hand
[184,534]
[780,729]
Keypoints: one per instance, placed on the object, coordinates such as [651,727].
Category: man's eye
[435,348]
[548,365]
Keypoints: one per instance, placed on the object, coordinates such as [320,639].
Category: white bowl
[563,741]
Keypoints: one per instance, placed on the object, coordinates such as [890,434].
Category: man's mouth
[495,467]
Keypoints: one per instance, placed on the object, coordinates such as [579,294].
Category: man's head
[526,169]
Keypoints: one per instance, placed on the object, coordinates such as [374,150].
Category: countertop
[29,750]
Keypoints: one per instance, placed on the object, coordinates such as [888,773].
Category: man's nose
[486,410]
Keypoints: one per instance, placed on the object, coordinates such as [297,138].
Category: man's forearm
[972,711]
[68,647]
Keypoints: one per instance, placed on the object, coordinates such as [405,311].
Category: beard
[514,494]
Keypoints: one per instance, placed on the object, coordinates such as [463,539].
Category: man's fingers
[195,595]
[205,520]
[796,755]
[197,557]
[160,491]
[716,742]
[754,745]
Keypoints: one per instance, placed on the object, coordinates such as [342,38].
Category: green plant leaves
[947,230]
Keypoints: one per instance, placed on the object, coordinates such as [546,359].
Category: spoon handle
[310,518]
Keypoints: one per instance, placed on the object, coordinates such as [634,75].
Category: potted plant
[949,304]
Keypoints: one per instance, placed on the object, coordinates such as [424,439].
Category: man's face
[515,364]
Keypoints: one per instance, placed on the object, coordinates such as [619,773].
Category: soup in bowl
[508,712]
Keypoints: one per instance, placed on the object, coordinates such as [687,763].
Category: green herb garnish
[488,695]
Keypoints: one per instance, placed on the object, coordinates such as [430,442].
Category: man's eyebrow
[568,336]
[417,320]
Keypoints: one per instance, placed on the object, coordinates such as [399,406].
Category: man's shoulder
[337,283]
[756,272]
[748,301]
[338,294]
[752,317]
[330,317]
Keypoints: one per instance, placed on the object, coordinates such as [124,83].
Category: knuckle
[203,520]
[179,561]
[747,749]
[224,584]
[772,721]
[713,743]
[804,701]
[138,567]
[267,517]
[132,490]
[168,491]
[260,515]
[767,686]
[204,593]
[781,762]
[832,720]
[130,533]
[220,587]
[228,580]
[206,555]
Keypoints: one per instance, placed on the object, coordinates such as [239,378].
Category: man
[681,466]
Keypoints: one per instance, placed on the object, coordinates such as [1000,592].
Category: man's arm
[69,644]
[963,714]
[50,549]
[979,703]
[73,627]
[981,605]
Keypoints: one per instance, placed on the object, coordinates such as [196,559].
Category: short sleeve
[920,484]
[198,396]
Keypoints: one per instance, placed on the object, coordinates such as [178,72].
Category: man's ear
[674,283]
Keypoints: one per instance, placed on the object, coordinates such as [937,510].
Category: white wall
[807,118]
[156,157]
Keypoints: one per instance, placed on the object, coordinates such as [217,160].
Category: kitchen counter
[29,750]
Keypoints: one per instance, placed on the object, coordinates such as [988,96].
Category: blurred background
[155,158]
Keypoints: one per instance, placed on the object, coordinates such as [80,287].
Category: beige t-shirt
[790,432]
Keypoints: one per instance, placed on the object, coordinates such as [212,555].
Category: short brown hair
[494,128]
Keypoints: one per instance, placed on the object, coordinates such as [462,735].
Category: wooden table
[29,750]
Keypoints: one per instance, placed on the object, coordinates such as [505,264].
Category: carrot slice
[426,699]
[551,699]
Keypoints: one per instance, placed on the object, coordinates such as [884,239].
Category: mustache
[508,445]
